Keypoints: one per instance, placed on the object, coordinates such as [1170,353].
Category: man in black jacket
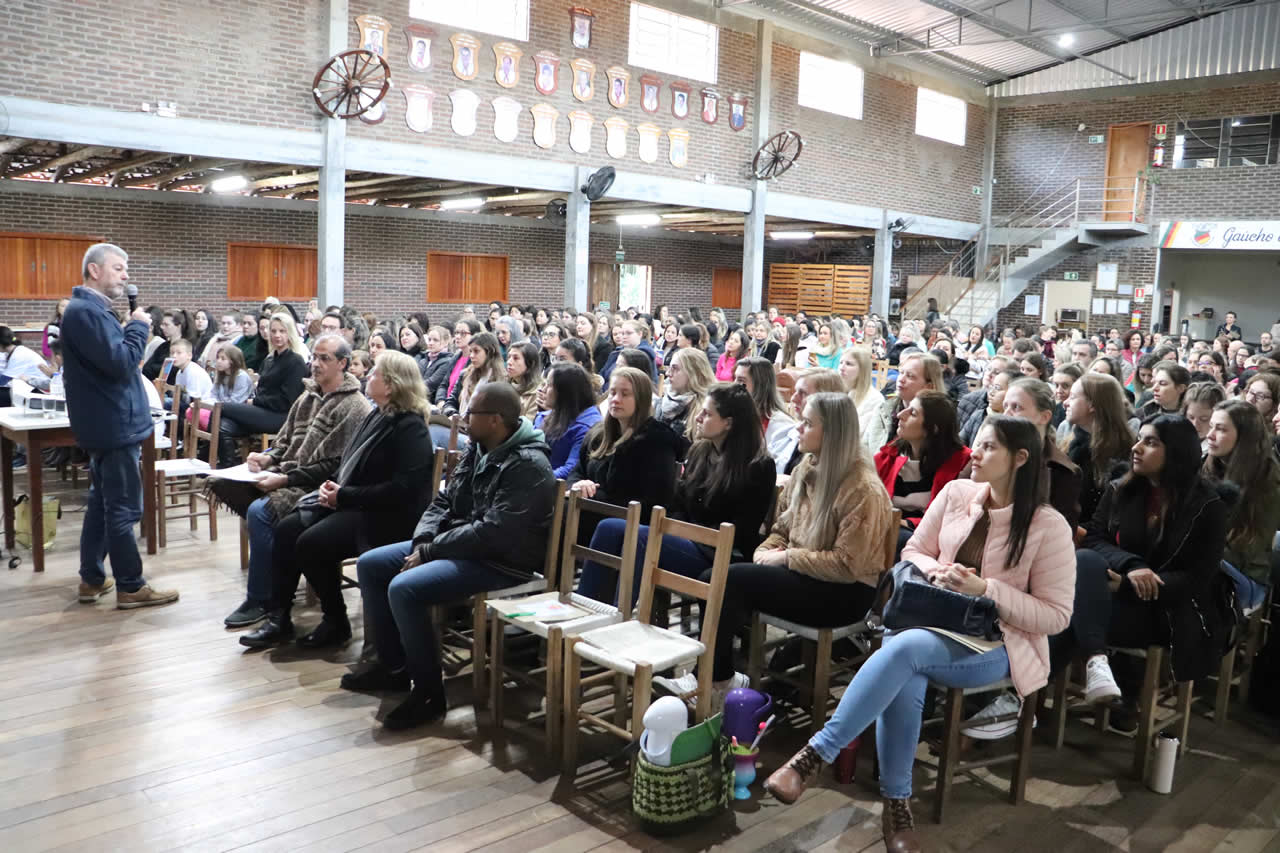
[488,530]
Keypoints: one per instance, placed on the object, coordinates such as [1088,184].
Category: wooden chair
[172,451]
[880,374]
[636,649]
[818,668]
[598,614]
[171,473]
[1237,664]
[949,762]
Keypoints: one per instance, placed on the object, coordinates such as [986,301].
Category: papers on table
[240,473]
[532,610]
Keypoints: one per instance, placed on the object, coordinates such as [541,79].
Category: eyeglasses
[1254,396]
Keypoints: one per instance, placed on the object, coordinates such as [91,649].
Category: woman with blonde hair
[688,380]
[855,370]
[279,384]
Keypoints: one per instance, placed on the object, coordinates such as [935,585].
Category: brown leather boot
[899,827]
[788,782]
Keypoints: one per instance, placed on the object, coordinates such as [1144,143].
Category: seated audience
[855,370]
[251,343]
[279,384]
[630,337]
[186,373]
[568,413]
[1198,404]
[228,334]
[688,380]
[825,353]
[1064,377]
[996,389]
[1262,391]
[1032,400]
[524,372]
[727,477]
[992,536]
[463,330]
[173,327]
[1101,440]
[1036,366]
[551,336]
[809,381]
[436,361]
[761,345]
[917,372]
[486,531]
[1169,381]
[308,445]
[1239,445]
[361,365]
[380,341]
[575,351]
[484,359]
[736,348]
[374,497]
[977,400]
[758,377]
[21,362]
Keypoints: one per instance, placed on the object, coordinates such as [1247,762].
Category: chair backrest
[891,539]
[552,557]
[437,470]
[451,461]
[623,564]
[786,383]
[655,577]
[175,406]
[880,374]
[195,434]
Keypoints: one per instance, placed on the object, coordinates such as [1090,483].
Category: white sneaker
[688,683]
[1006,703]
[1100,686]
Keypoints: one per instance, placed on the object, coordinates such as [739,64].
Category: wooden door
[726,287]
[298,273]
[604,286]
[251,272]
[18,275]
[1127,151]
[60,265]
[486,278]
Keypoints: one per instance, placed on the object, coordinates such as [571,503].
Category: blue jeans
[601,582]
[1249,592]
[889,690]
[261,521]
[115,506]
[398,604]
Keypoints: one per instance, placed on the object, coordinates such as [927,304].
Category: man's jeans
[115,506]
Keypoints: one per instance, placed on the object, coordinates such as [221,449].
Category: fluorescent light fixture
[639,219]
[791,235]
[1235,123]
[229,184]
[1066,40]
[461,203]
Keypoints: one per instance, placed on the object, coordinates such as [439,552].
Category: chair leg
[755,655]
[1252,646]
[161,522]
[1147,712]
[641,695]
[479,655]
[949,756]
[1222,698]
[213,522]
[244,545]
[821,682]
[569,732]
[1022,765]
[554,722]
[1060,682]
[191,503]
[496,675]
[620,701]
[1184,708]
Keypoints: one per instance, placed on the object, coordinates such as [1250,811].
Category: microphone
[132,291]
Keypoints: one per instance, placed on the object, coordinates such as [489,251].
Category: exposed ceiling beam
[194,165]
[1083,17]
[12,144]
[120,166]
[55,163]
[461,190]
[400,185]
[286,180]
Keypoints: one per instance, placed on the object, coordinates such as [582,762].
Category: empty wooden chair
[183,476]
[1235,668]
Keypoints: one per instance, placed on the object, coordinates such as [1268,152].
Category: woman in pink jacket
[991,536]
[736,347]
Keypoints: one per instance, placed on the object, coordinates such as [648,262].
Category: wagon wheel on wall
[777,155]
[351,83]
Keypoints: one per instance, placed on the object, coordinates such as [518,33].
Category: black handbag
[909,600]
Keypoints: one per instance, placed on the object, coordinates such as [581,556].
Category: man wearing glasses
[487,530]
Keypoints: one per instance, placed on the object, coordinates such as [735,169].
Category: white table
[36,433]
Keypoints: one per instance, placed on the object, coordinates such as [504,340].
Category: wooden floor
[154,730]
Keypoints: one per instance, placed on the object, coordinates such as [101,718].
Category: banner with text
[1248,235]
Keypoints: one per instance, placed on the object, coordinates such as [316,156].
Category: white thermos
[1162,766]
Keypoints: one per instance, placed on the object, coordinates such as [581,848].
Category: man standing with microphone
[110,418]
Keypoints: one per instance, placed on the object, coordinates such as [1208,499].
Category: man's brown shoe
[90,594]
[788,782]
[899,827]
[145,597]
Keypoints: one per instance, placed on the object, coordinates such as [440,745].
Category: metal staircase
[1047,228]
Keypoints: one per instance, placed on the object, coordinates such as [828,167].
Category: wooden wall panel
[726,287]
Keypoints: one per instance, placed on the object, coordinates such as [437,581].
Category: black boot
[331,632]
[419,709]
[278,629]
[228,452]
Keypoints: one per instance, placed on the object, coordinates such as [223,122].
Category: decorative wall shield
[680,99]
[650,89]
[466,56]
[420,38]
[545,117]
[580,21]
[679,151]
[737,111]
[377,113]
[615,137]
[619,85]
[710,105]
[580,131]
[584,79]
[506,64]
[649,134]
[417,109]
[547,77]
[463,119]
[506,115]
[373,33]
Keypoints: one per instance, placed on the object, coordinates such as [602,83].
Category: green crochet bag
[671,800]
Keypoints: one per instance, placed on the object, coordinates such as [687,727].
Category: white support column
[881,267]
[332,209]
[988,186]
[577,244]
[753,282]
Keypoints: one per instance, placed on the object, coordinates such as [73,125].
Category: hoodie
[564,450]
[497,509]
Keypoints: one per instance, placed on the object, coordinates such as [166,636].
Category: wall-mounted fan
[598,183]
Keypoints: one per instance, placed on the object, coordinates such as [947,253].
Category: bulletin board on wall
[843,289]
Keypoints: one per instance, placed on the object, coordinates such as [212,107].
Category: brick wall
[177,253]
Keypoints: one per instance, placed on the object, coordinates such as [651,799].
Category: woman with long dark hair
[1239,445]
[569,413]
[758,377]
[484,365]
[727,478]
[1169,381]
[737,346]
[1100,441]
[525,375]
[992,536]
[1032,400]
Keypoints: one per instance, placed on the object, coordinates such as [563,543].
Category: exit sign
[619,256]
[1071,276]
[1097,139]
